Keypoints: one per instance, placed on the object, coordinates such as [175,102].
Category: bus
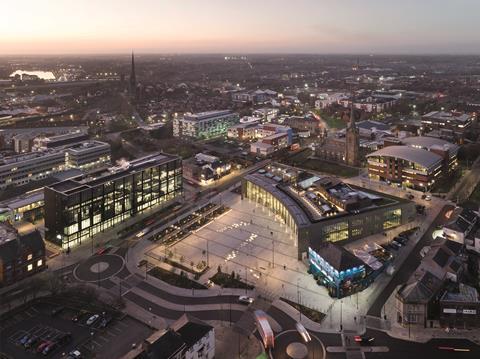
[264,328]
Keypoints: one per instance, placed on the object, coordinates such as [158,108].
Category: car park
[92,319]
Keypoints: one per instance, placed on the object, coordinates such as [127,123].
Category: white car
[245,300]
[92,319]
[303,332]
[428,198]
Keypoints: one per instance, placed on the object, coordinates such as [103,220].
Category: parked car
[31,341]
[24,339]
[49,348]
[245,300]
[92,319]
[141,263]
[105,321]
[402,240]
[395,246]
[43,345]
[74,354]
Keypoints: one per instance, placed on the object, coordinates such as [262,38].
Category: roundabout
[290,345]
[99,267]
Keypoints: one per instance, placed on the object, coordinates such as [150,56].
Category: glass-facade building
[387,213]
[79,208]
[259,195]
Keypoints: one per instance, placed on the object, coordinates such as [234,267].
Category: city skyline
[306,26]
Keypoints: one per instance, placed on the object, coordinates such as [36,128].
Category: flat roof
[93,179]
[422,157]
[206,115]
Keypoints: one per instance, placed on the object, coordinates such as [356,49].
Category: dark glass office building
[79,208]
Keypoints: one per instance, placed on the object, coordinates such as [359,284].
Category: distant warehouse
[81,207]
[323,209]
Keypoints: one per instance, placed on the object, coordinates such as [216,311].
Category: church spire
[133,79]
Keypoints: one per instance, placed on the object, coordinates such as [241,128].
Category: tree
[232,276]
[219,269]
[54,283]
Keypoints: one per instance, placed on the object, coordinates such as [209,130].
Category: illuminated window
[29,267]
[39,263]
[29,257]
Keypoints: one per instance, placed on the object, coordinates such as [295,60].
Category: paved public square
[251,241]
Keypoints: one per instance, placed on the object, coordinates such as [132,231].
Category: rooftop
[82,146]
[429,143]
[448,116]
[338,257]
[420,289]
[93,179]
[207,115]
[465,294]
[422,157]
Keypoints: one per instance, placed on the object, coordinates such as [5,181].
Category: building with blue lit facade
[337,269]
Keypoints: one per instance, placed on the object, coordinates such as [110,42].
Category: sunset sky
[240,26]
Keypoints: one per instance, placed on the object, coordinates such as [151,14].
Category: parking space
[40,329]
[67,327]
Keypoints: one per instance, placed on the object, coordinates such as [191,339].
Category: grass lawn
[330,167]
[225,280]
[311,314]
[174,279]
[332,121]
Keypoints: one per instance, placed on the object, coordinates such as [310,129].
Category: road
[467,184]
[411,263]
[401,349]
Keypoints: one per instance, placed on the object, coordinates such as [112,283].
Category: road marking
[116,330]
[110,334]
[121,324]
[96,343]
[104,339]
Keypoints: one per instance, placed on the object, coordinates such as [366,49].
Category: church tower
[352,141]
[133,79]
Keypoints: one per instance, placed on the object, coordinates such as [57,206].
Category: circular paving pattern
[289,344]
[98,267]
[297,350]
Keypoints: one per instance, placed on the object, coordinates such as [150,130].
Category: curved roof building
[431,143]
[419,156]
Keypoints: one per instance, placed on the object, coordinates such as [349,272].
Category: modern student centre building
[78,208]
[323,209]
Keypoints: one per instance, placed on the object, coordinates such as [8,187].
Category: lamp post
[341,314]
[273,250]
